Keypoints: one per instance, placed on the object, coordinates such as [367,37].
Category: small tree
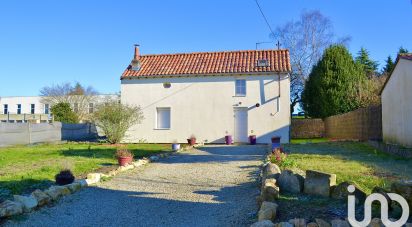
[63,112]
[115,119]
[335,84]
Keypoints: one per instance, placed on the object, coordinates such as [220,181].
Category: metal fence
[27,133]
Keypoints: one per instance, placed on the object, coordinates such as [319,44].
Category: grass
[25,168]
[305,141]
[350,161]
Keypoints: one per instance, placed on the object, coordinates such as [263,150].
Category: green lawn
[24,168]
[313,140]
[351,161]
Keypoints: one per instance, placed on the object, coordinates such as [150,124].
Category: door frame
[246,110]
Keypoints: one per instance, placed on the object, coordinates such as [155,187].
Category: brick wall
[361,124]
[307,128]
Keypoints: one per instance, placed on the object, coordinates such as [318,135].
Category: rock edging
[38,198]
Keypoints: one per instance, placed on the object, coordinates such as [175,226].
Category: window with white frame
[46,108]
[163,118]
[240,87]
[32,108]
[5,109]
[18,108]
[91,107]
[76,107]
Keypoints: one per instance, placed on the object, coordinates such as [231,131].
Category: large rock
[318,183]
[264,223]
[322,223]
[404,188]
[82,182]
[283,224]
[290,182]
[267,211]
[9,208]
[298,222]
[271,170]
[340,223]
[73,187]
[93,178]
[55,192]
[28,202]
[41,197]
[341,192]
[125,168]
[270,192]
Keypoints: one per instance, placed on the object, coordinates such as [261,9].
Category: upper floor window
[91,107]
[240,87]
[5,109]
[46,108]
[18,108]
[32,108]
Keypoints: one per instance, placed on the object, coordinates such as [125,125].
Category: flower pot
[123,161]
[252,139]
[63,179]
[176,146]
[228,140]
[191,141]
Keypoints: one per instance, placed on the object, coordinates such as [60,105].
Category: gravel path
[208,186]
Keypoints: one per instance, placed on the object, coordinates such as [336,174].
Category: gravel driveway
[207,186]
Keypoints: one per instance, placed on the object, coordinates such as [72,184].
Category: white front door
[241,131]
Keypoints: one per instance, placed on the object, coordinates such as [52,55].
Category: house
[397,103]
[19,109]
[209,95]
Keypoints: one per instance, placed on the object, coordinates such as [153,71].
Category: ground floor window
[163,118]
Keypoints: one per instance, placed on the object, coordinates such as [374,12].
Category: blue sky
[45,42]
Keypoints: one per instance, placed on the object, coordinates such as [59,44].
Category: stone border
[391,148]
[313,183]
[38,198]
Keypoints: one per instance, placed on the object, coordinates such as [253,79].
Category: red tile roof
[407,56]
[204,63]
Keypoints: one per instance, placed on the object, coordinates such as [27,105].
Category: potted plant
[228,139]
[175,146]
[252,138]
[64,177]
[124,156]
[192,140]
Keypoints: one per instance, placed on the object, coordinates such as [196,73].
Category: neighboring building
[396,103]
[209,95]
[30,108]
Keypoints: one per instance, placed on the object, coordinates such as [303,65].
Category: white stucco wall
[397,105]
[204,106]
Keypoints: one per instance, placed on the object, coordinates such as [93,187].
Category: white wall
[397,105]
[25,102]
[203,106]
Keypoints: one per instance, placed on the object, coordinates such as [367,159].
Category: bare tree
[76,95]
[306,40]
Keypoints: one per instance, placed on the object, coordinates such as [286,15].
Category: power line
[264,17]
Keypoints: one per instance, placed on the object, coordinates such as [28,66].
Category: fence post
[29,131]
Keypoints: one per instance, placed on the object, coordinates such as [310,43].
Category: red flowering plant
[280,158]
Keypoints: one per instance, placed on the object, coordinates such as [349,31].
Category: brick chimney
[136,58]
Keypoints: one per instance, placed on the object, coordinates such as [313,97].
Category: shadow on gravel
[220,154]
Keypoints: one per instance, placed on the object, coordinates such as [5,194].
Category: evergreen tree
[334,85]
[389,65]
[369,66]
[402,50]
